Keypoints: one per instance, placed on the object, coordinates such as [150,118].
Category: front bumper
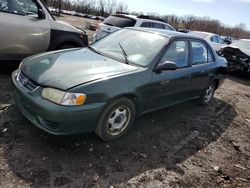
[54,118]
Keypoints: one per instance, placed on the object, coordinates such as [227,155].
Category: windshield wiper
[124,53]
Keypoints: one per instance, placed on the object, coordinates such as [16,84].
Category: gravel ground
[182,146]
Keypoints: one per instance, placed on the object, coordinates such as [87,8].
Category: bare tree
[188,21]
[111,4]
[121,7]
[101,6]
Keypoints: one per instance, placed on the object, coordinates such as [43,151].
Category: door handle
[188,77]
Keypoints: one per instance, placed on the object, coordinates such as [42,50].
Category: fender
[59,37]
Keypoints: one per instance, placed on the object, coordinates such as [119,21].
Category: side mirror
[41,14]
[167,65]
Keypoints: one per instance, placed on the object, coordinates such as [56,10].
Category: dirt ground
[182,146]
[186,145]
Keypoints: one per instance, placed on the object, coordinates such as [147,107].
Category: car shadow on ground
[161,139]
[8,68]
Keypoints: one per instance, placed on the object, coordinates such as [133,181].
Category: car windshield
[140,47]
[242,44]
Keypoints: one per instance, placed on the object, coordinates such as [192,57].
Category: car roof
[202,34]
[166,33]
[141,17]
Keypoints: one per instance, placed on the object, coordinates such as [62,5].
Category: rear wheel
[115,119]
[207,95]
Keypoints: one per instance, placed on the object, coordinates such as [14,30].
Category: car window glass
[158,25]
[210,57]
[119,21]
[168,28]
[141,47]
[177,52]
[214,39]
[4,5]
[199,53]
[220,40]
[21,7]
[146,24]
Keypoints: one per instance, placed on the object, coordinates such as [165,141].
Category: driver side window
[177,52]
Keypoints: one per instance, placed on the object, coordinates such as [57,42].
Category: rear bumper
[53,118]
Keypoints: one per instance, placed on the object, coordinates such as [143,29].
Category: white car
[215,40]
[120,20]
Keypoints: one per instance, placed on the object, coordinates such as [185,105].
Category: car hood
[235,51]
[64,26]
[65,69]
[247,52]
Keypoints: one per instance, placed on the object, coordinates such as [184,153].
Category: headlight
[62,97]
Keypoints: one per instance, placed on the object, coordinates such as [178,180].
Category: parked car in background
[238,56]
[128,73]
[27,28]
[215,40]
[120,20]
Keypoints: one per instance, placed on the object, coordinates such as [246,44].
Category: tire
[65,46]
[208,94]
[115,119]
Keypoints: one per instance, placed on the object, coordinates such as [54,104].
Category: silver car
[27,28]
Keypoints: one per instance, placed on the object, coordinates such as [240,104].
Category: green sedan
[103,87]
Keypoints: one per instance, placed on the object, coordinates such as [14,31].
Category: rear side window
[146,24]
[200,53]
[168,27]
[158,25]
[119,21]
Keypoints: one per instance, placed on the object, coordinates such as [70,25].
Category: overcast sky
[229,12]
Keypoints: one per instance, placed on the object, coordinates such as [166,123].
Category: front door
[172,86]
[22,33]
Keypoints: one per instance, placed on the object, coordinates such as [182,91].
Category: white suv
[119,20]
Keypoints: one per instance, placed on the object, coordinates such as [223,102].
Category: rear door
[172,86]
[202,66]
[21,32]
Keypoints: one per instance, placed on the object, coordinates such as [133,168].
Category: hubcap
[118,120]
[209,93]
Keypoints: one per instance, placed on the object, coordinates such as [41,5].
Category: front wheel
[115,120]
[207,95]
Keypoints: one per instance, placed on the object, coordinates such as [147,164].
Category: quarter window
[200,53]
[177,52]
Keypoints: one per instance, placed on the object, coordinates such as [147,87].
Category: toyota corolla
[103,87]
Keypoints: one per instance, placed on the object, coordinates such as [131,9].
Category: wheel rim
[118,120]
[209,93]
